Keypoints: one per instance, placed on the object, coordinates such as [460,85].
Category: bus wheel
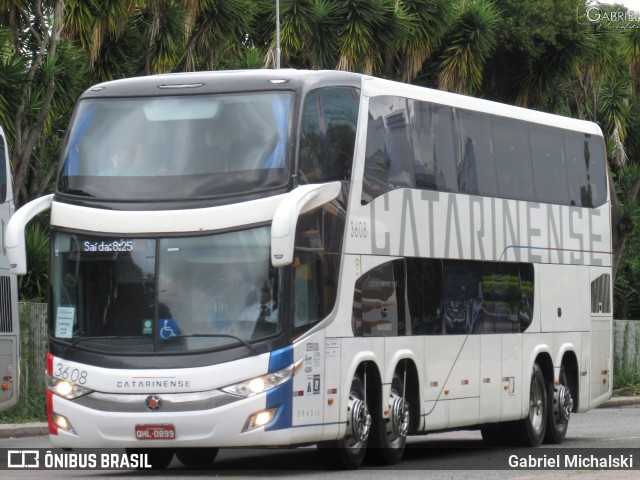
[389,435]
[530,430]
[196,457]
[158,458]
[560,408]
[349,452]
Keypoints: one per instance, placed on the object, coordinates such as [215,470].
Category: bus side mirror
[14,235]
[298,201]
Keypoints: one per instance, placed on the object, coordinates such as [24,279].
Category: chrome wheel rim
[562,404]
[358,422]
[536,406]
[398,423]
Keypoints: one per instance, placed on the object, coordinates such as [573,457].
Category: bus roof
[222,81]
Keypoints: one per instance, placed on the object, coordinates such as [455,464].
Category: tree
[470,42]
[48,73]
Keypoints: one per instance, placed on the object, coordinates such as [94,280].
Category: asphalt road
[454,455]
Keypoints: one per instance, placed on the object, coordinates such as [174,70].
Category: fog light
[260,419]
[62,422]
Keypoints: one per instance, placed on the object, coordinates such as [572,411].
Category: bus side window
[501,298]
[587,184]
[434,145]
[477,168]
[377,163]
[549,166]
[327,135]
[390,162]
[513,158]
[526,295]
[425,296]
[462,296]
[410,144]
[597,170]
[379,304]
[401,155]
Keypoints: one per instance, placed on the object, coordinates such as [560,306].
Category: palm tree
[369,33]
[431,22]
[308,32]
[95,22]
[163,25]
[470,41]
[48,72]
[216,31]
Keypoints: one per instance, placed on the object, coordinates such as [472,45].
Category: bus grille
[5,305]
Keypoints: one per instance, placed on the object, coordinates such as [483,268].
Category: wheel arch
[365,363]
[544,361]
[408,363]
[570,364]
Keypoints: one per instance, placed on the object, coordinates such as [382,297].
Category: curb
[17,430]
[616,402]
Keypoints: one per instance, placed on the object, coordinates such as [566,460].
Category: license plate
[155,432]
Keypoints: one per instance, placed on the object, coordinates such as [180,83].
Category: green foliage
[35,284]
[31,402]
[431,19]
[470,42]
[626,375]
[368,34]
[540,54]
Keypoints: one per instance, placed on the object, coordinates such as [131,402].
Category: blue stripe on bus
[281,397]
[280,359]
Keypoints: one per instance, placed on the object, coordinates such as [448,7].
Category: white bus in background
[9,326]
[270,258]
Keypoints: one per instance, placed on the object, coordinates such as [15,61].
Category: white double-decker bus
[271,258]
[9,326]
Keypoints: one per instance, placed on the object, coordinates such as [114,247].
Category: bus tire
[196,457]
[158,458]
[530,431]
[389,435]
[560,408]
[348,452]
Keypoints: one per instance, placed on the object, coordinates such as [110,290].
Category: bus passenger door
[453,359]
[9,382]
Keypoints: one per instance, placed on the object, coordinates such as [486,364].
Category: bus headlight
[263,383]
[65,388]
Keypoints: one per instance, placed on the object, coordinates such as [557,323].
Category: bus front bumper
[90,424]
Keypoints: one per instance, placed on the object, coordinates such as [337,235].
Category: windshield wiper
[216,335]
[108,337]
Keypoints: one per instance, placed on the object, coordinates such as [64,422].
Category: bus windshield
[177,147]
[148,295]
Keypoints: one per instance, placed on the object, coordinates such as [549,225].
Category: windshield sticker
[64,322]
[167,328]
[108,246]
[146,327]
